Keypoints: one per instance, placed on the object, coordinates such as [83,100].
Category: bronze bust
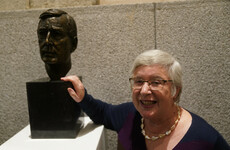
[57,37]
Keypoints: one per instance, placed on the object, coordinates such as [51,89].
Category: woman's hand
[78,92]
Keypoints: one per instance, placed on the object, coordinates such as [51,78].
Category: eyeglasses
[154,84]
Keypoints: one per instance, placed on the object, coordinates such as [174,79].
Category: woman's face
[149,103]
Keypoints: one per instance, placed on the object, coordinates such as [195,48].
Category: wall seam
[29,4]
[155,26]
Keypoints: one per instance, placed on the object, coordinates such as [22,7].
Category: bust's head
[57,36]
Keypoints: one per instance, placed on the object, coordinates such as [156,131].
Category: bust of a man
[57,36]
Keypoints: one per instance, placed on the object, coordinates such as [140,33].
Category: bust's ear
[74,42]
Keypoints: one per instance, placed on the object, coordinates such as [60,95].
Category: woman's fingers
[74,95]
[78,92]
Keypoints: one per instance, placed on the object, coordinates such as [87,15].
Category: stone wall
[12,5]
[7,5]
[110,37]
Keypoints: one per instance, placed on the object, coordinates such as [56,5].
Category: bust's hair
[71,25]
[159,57]
[52,13]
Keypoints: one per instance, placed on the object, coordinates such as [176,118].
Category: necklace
[153,138]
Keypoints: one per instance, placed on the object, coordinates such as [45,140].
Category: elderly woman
[154,120]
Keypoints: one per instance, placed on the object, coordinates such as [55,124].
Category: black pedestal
[52,112]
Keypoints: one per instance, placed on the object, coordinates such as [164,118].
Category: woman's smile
[148,102]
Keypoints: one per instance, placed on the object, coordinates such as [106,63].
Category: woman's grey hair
[159,57]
